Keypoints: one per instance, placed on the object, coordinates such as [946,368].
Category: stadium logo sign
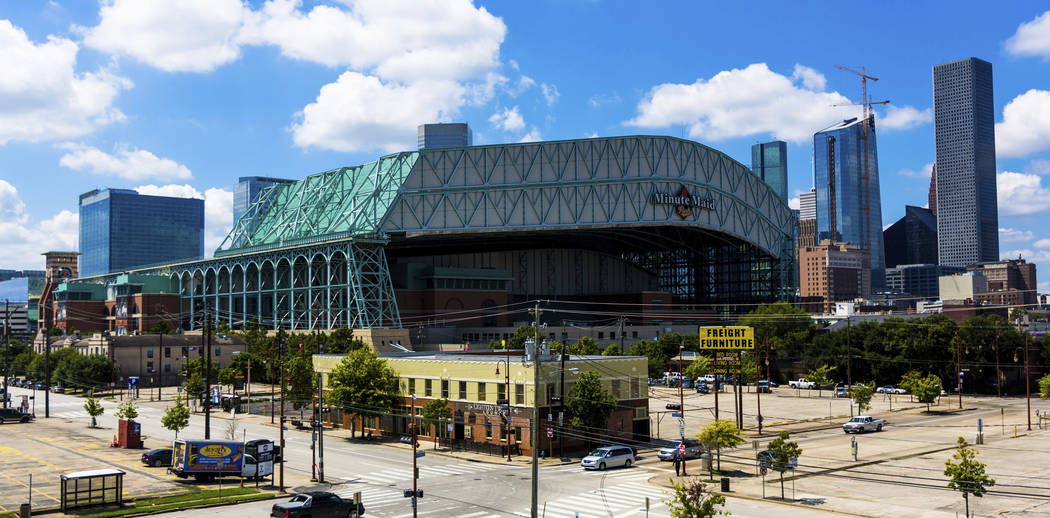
[684,202]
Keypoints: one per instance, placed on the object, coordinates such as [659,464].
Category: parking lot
[46,450]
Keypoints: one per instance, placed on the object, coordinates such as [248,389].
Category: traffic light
[408,493]
[416,472]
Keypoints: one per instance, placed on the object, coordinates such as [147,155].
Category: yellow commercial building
[481,399]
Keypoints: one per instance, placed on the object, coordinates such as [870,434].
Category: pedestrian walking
[677,465]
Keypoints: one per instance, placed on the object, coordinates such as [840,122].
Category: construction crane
[869,113]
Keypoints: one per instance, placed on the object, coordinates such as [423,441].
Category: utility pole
[681,397]
[7,346]
[320,428]
[280,365]
[561,406]
[958,367]
[160,373]
[207,373]
[849,357]
[623,322]
[535,428]
[415,470]
[47,376]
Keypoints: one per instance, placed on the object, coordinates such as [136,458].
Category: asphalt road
[452,486]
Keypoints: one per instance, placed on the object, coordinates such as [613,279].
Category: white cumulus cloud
[509,119]
[23,240]
[403,40]
[43,97]
[360,112]
[1032,38]
[795,203]
[550,93]
[742,102]
[1021,194]
[904,117]
[924,172]
[1025,128]
[811,79]
[183,36]
[1013,235]
[218,209]
[1042,243]
[1038,166]
[126,162]
[1032,256]
[532,136]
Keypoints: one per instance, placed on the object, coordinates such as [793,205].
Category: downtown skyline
[109,95]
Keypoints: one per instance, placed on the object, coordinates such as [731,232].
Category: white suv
[608,457]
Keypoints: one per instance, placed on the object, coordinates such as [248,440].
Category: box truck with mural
[205,460]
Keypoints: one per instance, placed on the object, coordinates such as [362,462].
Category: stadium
[643,220]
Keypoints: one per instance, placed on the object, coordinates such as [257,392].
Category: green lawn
[185,501]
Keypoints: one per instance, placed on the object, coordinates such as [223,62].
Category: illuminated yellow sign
[727,337]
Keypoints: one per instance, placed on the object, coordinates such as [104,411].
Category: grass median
[188,500]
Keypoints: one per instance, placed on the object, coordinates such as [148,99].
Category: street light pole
[536,414]
[506,394]
[7,345]
[415,470]
[681,397]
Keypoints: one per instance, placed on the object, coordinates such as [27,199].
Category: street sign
[763,470]
[550,433]
[681,449]
[676,414]
[421,454]
[727,337]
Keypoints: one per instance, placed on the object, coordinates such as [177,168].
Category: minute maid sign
[684,202]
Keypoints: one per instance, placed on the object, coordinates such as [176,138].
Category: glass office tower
[964,129]
[121,229]
[247,190]
[769,162]
[436,136]
[838,169]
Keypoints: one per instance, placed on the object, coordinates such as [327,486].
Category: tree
[363,385]
[785,328]
[127,411]
[176,417]
[1044,387]
[590,404]
[821,376]
[783,453]
[612,350]
[435,411]
[342,341]
[161,328]
[701,365]
[301,378]
[655,354]
[93,408]
[722,433]
[909,381]
[523,333]
[584,346]
[927,390]
[691,499]
[193,384]
[861,395]
[967,474]
[1017,314]
[227,375]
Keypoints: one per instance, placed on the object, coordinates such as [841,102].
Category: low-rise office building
[480,399]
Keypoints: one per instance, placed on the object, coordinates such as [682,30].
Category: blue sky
[183,97]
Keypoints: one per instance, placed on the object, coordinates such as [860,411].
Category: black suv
[14,415]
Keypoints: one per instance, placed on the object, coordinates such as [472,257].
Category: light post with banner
[727,344]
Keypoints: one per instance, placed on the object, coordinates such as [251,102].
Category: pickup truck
[863,423]
[801,383]
[319,504]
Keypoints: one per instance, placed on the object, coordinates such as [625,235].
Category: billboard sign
[727,337]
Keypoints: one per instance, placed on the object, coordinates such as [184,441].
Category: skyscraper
[964,126]
[122,229]
[769,162]
[849,207]
[912,239]
[248,189]
[436,136]
[807,219]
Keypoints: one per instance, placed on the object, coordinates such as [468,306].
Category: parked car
[608,457]
[890,389]
[693,450]
[841,392]
[14,415]
[58,389]
[702,388]
[687,382]
[802,383]
[710,378]
[157,458]
[317,504]
[40,385]
[763,386]
[863,423]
